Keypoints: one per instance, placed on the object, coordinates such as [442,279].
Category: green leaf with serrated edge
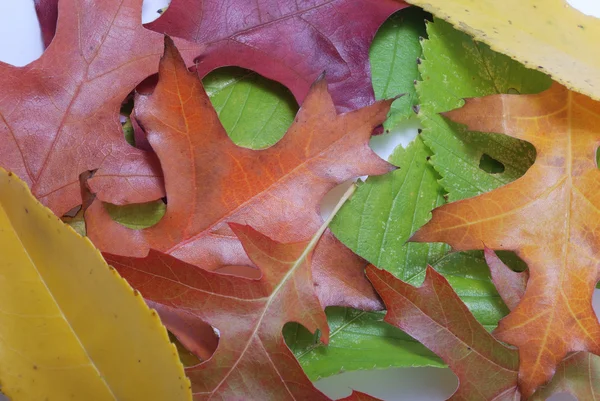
[455,67]
[255,111]
[137,216]
[393,55]
[361,340]
[385,210]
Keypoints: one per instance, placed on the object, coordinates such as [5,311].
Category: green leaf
[137,216]
[385,210]
[379,219]
[393,55]
[455,67]
[358,340]
[255,111]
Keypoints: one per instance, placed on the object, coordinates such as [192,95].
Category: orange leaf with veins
[210,182]
[549,217]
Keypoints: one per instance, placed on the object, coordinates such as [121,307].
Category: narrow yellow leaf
[70,327]
[548,35]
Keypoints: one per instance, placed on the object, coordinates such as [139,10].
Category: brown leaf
[434,315]
[548,217]
[252,360]
[210,181]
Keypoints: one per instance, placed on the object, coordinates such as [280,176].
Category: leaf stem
[319,233]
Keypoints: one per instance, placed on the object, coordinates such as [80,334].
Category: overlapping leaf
[534,33]
[210,181]
[433,314]
[454,67]
[292,43]
[252,360]
[70,327]
[59,114]
[578,373]
[548,217]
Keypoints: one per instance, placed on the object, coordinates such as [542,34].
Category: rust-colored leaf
[59,115]
[210,181]
[434,315]
[252,359]
[579,372]
[548,217]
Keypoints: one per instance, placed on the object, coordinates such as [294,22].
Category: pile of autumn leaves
[233,209]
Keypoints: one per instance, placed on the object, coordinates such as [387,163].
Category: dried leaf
[547,217]
[578,373]
[435,315]
[252,358]
[71,328]
[210,181]
[59,115]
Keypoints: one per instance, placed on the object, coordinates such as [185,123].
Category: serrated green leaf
[393,55]
[455,67]
[385,210]
[255,111]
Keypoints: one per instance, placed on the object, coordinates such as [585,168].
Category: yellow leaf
[70,327]
[548,35]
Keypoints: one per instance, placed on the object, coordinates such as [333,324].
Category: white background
[20,43]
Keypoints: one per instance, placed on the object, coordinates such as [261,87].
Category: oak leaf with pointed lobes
[435,316]
[59,115]
[210,181]
[252,360]
[579,372]
[548,217]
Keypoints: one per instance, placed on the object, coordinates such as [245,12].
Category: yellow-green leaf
[70,327]
[548,35]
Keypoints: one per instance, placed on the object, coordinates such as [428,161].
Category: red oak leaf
[59,115]
[210,181]
[252,360]
[292,42]
[434,315]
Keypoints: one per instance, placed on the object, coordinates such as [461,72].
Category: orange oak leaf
[291,42]
[252,360]
[210,181]
[579,372]
[549,217]
[59,115]
[434,315]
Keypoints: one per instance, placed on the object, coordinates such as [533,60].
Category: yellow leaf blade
[542,34]
[70,327]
